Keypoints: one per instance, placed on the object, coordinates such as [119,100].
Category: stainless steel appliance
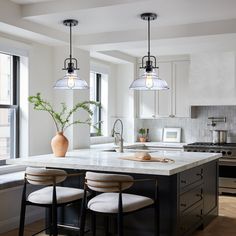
[227,163]
[219,136]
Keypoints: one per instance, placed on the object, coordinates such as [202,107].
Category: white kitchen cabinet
[164,100]
[181,106]
[147,104]
[167,103]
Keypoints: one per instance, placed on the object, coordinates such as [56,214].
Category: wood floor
[224,225]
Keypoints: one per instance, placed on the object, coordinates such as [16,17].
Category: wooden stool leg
[22,211]
[120,225]
[107,225]
[54,221]
[50,221]
[83,214]
[120,216]
[93,223]
[22,218]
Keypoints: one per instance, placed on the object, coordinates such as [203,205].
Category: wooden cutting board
[153,159]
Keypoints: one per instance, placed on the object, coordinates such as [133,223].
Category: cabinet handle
[183,181]
[199,195]
[183,204]
[153,116]
[172,116]
[199,216]
[199,174]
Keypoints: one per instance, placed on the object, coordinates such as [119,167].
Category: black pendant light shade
[71,79]
[149,80]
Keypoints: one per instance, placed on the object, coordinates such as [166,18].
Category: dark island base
[188,201]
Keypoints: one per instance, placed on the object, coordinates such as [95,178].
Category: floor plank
[224,224]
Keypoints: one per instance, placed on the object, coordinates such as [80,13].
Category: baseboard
[13,223]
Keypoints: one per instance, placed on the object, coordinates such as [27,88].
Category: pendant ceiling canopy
[149,79]
[71,80]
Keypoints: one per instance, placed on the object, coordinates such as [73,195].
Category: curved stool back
[101,182]
[43,176]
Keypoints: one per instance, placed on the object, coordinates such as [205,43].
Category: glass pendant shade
[149,81]
[71,81]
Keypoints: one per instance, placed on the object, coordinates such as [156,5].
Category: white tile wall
[196,129]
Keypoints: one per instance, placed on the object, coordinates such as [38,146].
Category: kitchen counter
[188,188]
[91,159]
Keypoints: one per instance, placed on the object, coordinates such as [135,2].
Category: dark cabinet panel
[191,219]
[210,190]
[190,198]
[189,177]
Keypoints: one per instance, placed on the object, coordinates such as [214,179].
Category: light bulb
[71,80]
[149,81]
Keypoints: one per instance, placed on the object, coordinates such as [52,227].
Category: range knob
[229,153]
[223,153]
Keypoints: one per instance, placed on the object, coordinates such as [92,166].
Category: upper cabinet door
[164,105]
[181,106]
[147,104]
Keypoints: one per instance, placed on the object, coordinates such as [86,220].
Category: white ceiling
[29,1]
[122,17]
[182,26]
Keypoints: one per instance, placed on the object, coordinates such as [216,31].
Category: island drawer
[190,176]
[190,198]
[190,219]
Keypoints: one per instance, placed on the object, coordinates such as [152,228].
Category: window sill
[6,169]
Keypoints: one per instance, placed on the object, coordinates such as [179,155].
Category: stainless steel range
[227,164]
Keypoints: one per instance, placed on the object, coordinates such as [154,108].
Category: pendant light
[71,79]
[149,79]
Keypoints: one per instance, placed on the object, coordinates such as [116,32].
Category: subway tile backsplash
[195,129]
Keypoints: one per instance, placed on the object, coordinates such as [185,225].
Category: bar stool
[50,197]
[112,200]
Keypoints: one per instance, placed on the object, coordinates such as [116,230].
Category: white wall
[212,78]
[125,74]
[40,80]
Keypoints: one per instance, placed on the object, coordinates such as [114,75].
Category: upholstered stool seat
[108,202]
[64,195]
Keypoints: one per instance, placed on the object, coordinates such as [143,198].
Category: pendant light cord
[70,42]
[148,38]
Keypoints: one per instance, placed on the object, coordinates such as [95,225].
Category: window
[95,95]
[9,117]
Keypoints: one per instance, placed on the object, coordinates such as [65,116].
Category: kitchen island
[188,187]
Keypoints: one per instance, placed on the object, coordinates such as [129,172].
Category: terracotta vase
[59,144]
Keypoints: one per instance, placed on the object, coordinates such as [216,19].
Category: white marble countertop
[92,159]
[161,145]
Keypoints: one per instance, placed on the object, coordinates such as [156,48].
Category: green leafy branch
[62,119]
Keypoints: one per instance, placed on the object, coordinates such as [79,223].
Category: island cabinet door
[210,191]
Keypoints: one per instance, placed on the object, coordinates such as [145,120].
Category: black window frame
[15,125]
[98,96]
